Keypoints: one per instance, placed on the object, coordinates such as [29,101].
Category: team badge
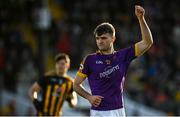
[81,67]
[108,62]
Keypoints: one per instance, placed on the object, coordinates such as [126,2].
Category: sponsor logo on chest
[109,71]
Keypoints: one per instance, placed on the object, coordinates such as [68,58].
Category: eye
[97,38]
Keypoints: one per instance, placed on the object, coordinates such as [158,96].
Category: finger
[137,6]
[97,101]
[100,96]
[96,104]
[139,9]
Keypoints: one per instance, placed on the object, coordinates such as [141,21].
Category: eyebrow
[99,36]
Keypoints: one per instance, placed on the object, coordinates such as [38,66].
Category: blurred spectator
[9,109]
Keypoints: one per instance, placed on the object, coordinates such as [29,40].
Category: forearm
[79,89]
[145,32]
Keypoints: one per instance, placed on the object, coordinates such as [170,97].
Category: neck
[109,51]
[60,74]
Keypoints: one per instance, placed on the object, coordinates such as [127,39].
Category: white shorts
[110,113]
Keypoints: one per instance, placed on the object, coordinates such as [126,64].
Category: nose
[99,40]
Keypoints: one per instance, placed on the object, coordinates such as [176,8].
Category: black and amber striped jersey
[55,90]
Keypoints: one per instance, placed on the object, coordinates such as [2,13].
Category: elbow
[150,43]
[76,86]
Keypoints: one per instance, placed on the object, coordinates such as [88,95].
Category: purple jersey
[106,75]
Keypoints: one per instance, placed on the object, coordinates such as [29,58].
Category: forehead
[103,35]
[61,61]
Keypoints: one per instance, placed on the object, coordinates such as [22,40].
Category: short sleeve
[84,68]
[128,53]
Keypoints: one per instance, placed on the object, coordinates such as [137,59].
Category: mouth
[101,44]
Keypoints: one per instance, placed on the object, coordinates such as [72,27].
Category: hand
[139,11]
[95,100]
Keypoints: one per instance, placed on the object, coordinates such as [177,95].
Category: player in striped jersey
[51,90]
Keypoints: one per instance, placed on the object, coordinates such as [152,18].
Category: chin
[60,72]
[103,49]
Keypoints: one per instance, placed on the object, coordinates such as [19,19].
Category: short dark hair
[62,56]
[104,28]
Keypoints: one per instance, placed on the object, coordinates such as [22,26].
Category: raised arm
[147,39]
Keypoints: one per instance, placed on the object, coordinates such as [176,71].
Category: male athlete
[106,69]
[50,91]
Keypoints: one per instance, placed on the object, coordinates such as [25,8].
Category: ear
[114,38]
[69,66]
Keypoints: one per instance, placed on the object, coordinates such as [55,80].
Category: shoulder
[89,57]
[68,78]
[126,49]
[50,73]
[127,53]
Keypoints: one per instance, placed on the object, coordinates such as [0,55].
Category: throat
[106,52]
[60,74]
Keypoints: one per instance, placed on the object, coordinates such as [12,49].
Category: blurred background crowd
[33,31]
